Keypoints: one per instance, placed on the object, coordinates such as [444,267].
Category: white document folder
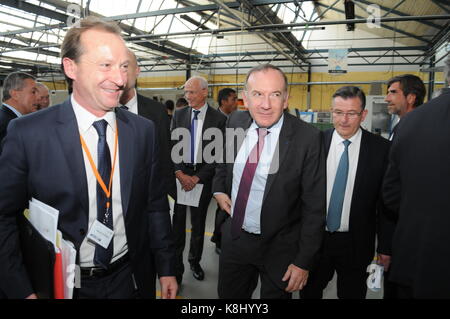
[191,198]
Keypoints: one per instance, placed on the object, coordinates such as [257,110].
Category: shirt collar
[202,109]
[85,119]
[276,126]
[339,139]
[132,104]
[13,109]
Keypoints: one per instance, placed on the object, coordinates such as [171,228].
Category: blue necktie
[103,256]
[193,134]
[338,192]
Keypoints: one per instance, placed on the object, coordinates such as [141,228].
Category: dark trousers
[337,255]
[198,219]
[240,267]
[118,285]
[389,287]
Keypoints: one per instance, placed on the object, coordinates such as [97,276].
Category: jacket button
[82,232]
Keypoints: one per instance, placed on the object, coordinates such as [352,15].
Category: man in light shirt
[276,203]
[353,199]
[99,167]
[195,168]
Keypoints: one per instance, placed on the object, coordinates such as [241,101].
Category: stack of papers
[44,219]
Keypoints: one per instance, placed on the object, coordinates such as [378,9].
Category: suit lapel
[282,148]
[69,138]
[237,146]
[126,152]
[364,157]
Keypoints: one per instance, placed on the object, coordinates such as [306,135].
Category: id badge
[100,234]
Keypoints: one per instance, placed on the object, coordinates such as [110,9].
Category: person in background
[356,163]
[405,92]
[181,102]
[170,106]
[194,169]
[227,99]
[416,189]
[152,110]
[43,96]
[19,98]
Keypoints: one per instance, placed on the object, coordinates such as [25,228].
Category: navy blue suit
[42,158]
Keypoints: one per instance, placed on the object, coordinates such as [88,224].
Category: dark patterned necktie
[103,256]
[246,183]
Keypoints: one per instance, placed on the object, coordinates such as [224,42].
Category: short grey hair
[203,82]
[42,85]
[14,81]
[265,68]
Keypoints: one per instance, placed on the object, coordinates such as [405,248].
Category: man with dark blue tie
[194,168]
[98,165]
[356,162]
[274,189]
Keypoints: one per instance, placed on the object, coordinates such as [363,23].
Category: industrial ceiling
[175,36]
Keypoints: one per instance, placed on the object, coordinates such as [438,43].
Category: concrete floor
[207,289]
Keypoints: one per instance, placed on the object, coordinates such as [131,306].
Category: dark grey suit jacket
[293,208]
[417,186]
[6,115]
[42,158]
[213,119]
[156,112]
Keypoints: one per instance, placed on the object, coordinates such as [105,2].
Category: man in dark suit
[416,188]
[273,186]
[19,98]
[405,93]
[356,163]
[65,156]
[154,111]
[227,99]
[194,168]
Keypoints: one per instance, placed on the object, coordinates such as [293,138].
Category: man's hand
[384,260]
[224,202]
[169,287]
[32,296]
[185,180]
[297,278]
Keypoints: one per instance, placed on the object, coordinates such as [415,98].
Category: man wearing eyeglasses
[356,162]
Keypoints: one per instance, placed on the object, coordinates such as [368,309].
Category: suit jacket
[213,119]
[367,211]
[156,112]
[293,208]
[6,115]
[42,158]
[417,186]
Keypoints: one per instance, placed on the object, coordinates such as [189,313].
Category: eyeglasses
[351,115]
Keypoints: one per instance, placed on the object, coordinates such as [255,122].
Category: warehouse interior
[321,45]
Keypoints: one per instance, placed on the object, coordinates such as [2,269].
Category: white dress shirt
[252,220]
[334,156]
[198,132]
[133,103]
[13,109]
[85,119]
